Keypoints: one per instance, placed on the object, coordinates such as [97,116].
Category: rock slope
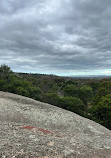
[31,129]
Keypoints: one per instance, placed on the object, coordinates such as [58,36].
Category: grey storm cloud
[55,35]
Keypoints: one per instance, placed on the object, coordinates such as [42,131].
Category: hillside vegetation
[90,98]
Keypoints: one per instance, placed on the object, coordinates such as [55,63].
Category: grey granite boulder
[31,129]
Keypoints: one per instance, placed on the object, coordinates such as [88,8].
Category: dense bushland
[90,98]
[9,82]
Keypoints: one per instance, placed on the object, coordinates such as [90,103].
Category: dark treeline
[90,98]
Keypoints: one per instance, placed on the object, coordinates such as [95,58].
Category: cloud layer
[55,36]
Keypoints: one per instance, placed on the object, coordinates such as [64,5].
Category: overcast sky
[64,37]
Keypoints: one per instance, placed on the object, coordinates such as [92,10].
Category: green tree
[70,82]
[94,85]
[51,98]
[103,89]
[102,111]
[73,104]
[70,90]
[35,93]
[85,94]
[2,84]
[5,72]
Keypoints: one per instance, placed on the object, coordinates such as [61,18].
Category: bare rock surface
[31,129]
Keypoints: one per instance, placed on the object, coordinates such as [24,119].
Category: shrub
[71,90]
[102,111]
[51,98]
[73,104]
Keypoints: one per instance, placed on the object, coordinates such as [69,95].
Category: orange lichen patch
[39,129]
[45,131]
[28,127]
